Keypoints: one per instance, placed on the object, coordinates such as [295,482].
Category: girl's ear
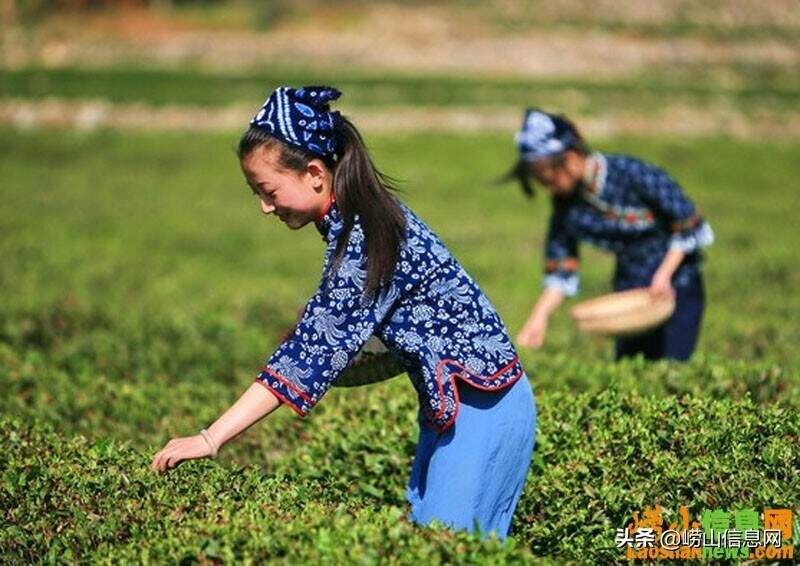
[317,171]
[575,162]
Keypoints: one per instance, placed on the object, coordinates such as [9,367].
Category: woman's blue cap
[543,135]
[302,117]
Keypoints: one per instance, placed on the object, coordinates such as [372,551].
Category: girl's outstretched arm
[256,403]
[533,332]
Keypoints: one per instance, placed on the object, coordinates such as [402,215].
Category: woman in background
[621,204]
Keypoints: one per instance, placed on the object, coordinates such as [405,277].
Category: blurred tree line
[37,8]
[27,10]
[76,5]
[266,11]
[263,14]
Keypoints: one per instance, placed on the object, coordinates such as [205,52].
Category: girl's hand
[661,284]
[179,449]
[533,333]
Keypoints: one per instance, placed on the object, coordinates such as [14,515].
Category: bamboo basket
[626,313]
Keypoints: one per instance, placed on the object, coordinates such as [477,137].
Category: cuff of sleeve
[569,285]
[288,393]
[701,237]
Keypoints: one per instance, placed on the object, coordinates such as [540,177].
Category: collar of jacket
[331,223]
[594,175]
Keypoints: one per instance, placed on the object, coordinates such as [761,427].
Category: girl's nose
[266,208]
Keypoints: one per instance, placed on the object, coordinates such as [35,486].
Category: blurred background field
[142,287]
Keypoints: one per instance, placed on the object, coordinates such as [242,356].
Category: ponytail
[362,190]
[519,173]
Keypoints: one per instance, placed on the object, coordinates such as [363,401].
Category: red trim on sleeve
[564,264]
[288,384]
[280,397]
[688,224]
[570,264]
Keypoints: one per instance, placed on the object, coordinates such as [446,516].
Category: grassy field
[748,88]
[142,289]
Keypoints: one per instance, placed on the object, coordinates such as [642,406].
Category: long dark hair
[519,171]
[360,190]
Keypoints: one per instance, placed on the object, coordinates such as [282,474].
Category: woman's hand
[661,284]
[256,403]
[179,449]
[535,329]
[533,333]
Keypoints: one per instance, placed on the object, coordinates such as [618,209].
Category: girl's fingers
[171,458]
[156,460]
[174,458]
[167,458]
[164,462]
[178,450]
[160,461]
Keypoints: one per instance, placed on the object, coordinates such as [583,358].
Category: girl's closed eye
[262,192]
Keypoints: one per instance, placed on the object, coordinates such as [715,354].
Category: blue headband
[302,117]
[543,135]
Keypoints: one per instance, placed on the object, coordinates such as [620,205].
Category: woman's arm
[561,278]
[662,278]
[533,332]
[256,403]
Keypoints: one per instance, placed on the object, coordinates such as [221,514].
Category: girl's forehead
[262,162]
[262,155]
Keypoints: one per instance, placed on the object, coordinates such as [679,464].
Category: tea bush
[142,290]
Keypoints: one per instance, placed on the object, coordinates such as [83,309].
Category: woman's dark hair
[359,188]
[519,171]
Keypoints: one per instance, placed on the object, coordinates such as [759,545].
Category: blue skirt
[471,476]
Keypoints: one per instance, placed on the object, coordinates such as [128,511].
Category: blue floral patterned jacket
[432,316]
[633,209]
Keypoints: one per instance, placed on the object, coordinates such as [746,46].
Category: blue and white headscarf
[302,118]
[543,135]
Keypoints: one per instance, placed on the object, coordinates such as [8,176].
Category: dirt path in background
[415,39]
[431,39]
[670,120]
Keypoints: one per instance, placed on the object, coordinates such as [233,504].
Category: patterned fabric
[542,135]
[432,316]
[301,117]
[633,209]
